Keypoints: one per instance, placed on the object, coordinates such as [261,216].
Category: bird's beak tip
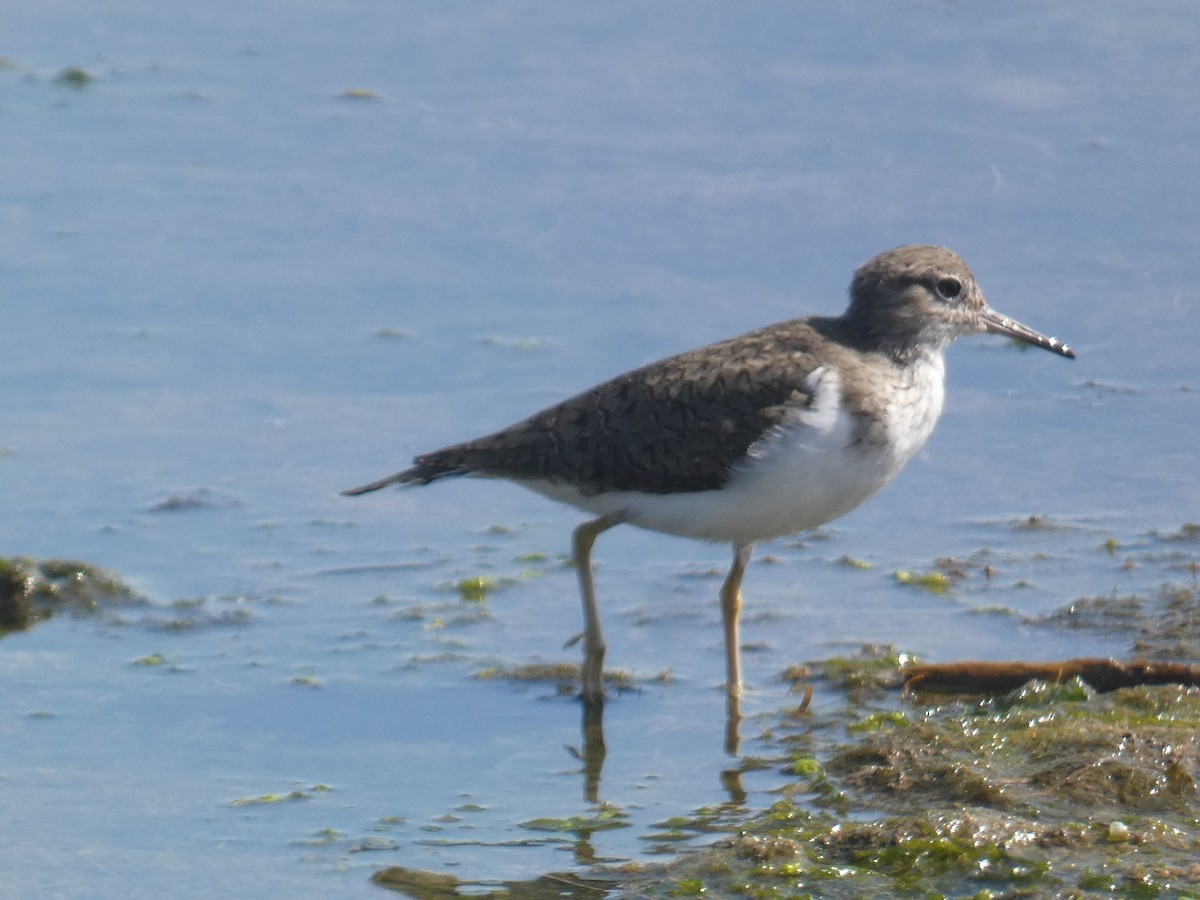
[994,323]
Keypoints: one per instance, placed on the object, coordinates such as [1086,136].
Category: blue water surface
[265,251]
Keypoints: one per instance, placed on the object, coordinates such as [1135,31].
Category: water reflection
[594,749]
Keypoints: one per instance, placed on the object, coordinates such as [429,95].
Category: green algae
[565,676]
[884,719]
[1047,790]
[1189,532]
[270,799]
[323,837]
[852,563]
[1053,789]
[870,668]
[992,610]
[934,582]
[422,885]
[33,590]
[1163,625]
[1042,523]
[75,77]
[604,818]
[476,588]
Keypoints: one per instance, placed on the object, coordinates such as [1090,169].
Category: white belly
[819,464]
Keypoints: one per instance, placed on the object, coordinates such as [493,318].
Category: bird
[766,434]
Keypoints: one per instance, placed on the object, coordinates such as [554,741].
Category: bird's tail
[398,478]
[424,471]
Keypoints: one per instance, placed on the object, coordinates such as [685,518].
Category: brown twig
[1101,674]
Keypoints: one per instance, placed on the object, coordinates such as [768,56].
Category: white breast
[819,463]
[915,408]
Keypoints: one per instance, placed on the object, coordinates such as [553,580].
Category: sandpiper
[762,435]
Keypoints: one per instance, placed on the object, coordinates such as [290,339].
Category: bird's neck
[900,338]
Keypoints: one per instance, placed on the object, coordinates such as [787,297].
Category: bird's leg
[731,605]
[593,750]
[593,638]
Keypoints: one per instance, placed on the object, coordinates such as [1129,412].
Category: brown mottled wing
[672,426]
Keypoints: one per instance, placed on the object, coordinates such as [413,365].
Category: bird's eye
[948,288]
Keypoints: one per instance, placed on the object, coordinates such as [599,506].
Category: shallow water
[230,291]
